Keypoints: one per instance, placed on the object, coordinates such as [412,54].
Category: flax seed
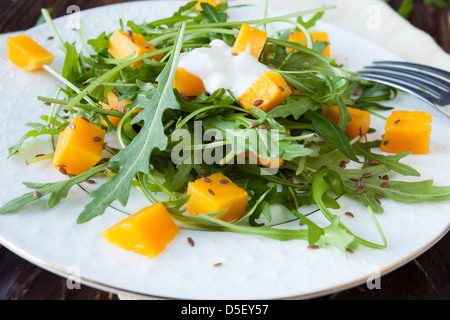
[202,171]
[97,139]
[191,242]
[90,181]
[385,142]
[72,125]
[36,194]
[380,193]
[359,190]
[258,102]
[367,174]
[349,214]
[313,246]
[47,103]
[289,198]
[62,170]
[109,169]
[60,165]
[229,167]
[281,88]
[396,121]
[211,192]
[39,155]
[264,127]
[254,124]
[384,185]
[223,181]
[205,179]
[373,162]
[218,264]
[360,183]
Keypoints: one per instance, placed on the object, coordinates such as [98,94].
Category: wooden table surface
[425,278]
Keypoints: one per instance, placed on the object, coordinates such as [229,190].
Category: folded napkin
[376,21]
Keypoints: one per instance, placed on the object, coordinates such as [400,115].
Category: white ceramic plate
[252,267]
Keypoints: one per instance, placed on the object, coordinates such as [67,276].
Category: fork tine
[399,85]
[440,82]
[432,70]
[436,92]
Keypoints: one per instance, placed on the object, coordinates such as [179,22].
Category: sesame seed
[72,125]
[258,102]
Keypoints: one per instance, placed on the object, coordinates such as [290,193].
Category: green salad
[320,162]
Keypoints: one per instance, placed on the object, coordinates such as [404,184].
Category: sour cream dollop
[219,68]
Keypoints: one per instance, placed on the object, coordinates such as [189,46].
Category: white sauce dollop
[219,68]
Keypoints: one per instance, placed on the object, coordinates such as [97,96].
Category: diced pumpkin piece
[198,5]
[27,54]
[264,162]
[79,147]
[249,36]
[187,84]
[214,194]
[147,232]
[122,44]
[115,105]
[407,131]
[315,35]
[360,119]
[267,92]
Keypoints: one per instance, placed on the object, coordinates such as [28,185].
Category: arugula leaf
[135,157]
[332,134]
[57,190]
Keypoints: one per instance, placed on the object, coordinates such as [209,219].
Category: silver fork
[430,84]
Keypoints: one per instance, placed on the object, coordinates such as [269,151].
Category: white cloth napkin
[376,21]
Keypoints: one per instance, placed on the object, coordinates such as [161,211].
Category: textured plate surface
[252,267]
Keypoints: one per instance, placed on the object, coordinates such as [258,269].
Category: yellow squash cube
[27,54]
[407,131]
[316,36]
[122,44]
[187,84]
[249,36]
[147,232]
[215,194]
[79,147]
[269,91]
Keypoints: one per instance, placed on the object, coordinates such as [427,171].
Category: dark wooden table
[425,278]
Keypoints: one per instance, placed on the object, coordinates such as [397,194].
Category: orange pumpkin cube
[27,54]
[215,194]
[122,44]
[115,105]
[269,91]
[360,119]
[147,232]
[187,84]
[249,37]
[407,131]
[198,5]
[254,159]
[299,36]
[79,147]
